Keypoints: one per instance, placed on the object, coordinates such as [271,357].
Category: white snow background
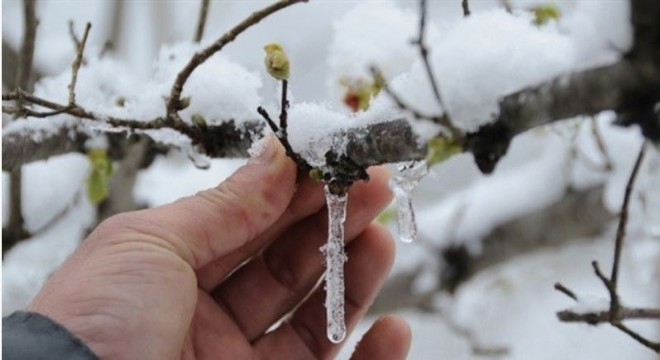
[476,61]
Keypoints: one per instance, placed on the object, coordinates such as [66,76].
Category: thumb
[214,222]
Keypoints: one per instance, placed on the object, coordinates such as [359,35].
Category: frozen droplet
[403,184]
[335,258]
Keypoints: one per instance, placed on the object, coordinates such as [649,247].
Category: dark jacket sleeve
[27,335]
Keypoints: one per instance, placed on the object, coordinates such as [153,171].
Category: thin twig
[424,52]
[506,4]
[26,56]
[62,213]
[270,121]
[655,346]
[284,140]
[82,113]
[201,21]
[466,8]
[284,107]
[400,103]
[601,143]
[174,102]
[77,62]
[15,230]
[74,37]
[621,230]
[616,313]
[566,291]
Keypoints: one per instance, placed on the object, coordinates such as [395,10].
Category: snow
[514,304]
[335,257]
[60,214]
[589,303]
[173,177]
[402,185]
[471,214]
[315,128]
[486,56]
[373,33]
[220,89]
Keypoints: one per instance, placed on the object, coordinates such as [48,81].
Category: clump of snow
[315,128]
[373,33]
[483,58]
[65,173]
[173,176]
[600,31]
[310,129]
[27,266]
[588,303]
[259,146]
[467,215]
[220,89]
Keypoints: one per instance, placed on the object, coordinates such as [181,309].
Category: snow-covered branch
[599,317]
[583,93]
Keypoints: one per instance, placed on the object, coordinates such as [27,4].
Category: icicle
[335,258]
[403,185]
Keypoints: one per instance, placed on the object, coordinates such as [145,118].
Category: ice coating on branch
[315,128]
[335,257]
[403,184]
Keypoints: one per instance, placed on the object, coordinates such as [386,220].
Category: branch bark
[599,317]
[15,230]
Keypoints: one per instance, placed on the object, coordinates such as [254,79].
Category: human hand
[209,275]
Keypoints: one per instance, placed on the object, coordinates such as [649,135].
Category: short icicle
[335,258]
[403,184]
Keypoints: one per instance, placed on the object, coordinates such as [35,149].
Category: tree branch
[77,62]
[466,8]
[174,101]
[599,317]
[15,230]
[201,20]
[623,221]
[26,56]
[445,121]
[587,92]
[617,312]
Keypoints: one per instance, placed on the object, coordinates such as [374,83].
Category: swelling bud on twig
[199,121]
[99,175]
[277,63]
[544,13]
[184,103]
[360,92]
[441,149]
[316,174]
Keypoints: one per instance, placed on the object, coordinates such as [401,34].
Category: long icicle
[403,185]
[335,257]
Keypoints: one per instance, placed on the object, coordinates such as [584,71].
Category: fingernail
[263,150]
